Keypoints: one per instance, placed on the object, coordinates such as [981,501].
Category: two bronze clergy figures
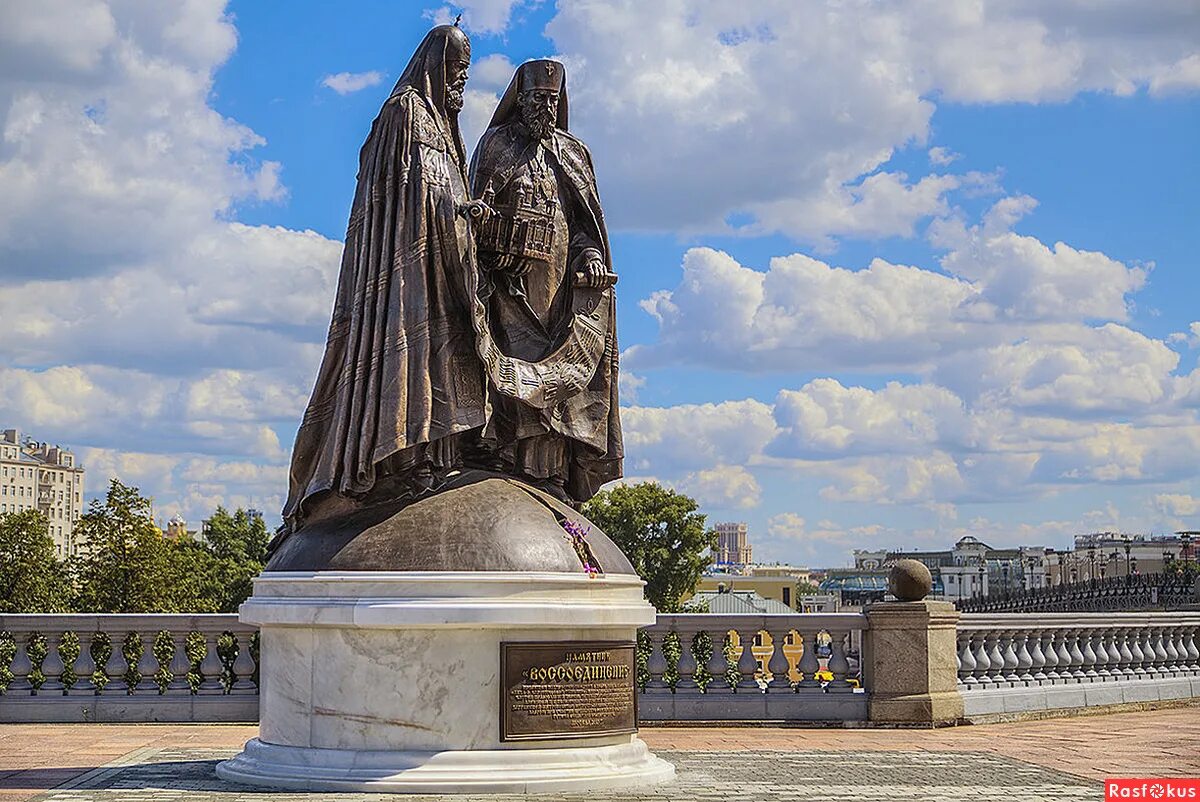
[467,400]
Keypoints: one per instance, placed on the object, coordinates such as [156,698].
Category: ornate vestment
[401,378]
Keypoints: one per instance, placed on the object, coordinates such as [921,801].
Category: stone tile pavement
[1050,759]
[170,775]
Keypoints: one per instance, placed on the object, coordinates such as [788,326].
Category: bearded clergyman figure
[546,317]
[400,392]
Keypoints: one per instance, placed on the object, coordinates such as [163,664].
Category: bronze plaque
[572,689]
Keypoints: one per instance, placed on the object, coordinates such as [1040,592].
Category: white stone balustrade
[1021,662]
[801,667]
[42,686]
[796,667]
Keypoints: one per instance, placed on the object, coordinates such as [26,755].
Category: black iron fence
[1166,591]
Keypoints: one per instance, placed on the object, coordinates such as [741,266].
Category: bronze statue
[400,382]
[545,280]
[471,365]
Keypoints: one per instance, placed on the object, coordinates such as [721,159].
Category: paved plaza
[1033,760]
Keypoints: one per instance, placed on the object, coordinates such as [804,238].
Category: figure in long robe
[546,316]
[400,393]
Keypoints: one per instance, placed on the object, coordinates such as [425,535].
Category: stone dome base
[483,522]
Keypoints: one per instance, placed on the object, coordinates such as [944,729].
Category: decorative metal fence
[1114,594]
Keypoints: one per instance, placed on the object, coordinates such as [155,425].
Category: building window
[787,596]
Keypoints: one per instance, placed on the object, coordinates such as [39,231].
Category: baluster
[809,664]
[839,666]
[687,663]
[778,664]
[656,662]
[1076,655]
[116,666]
[1172,652]
[1193,652]
[983,663]
[1138,664]
[747,664]
[1010,658]
[52,666]
[1050,656]
[85,666]
[1089,655]
[147,665]
[1126,656]
[21,665]
[211,667]
[243,666]
[1024,659]
[1099,639]
[1037,659]
[1160,654]
[180,665]
[996,661]
[1146,641]
[717,664]
[966,661]
[1113,646]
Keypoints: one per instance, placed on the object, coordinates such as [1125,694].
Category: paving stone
[171,774]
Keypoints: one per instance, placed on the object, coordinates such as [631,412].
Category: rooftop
[726,602]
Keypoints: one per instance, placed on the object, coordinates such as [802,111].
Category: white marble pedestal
[390,681]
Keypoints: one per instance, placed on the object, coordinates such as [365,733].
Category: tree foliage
[126,565]
[31,577]
[661,533]
[125,562]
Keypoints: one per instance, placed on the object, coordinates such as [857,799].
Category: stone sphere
[910,580]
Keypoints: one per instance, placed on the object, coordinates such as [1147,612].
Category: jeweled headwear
[539,74]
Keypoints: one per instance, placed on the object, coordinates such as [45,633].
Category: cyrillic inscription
[566,690]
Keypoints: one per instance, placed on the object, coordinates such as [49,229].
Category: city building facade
[46,478]
[1098,555]
[733,546]
[970,568]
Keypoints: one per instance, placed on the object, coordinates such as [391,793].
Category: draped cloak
[401,377]
[572,358]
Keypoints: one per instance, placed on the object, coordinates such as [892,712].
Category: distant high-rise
[39,476]
[733,544]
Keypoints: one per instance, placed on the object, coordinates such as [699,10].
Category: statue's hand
[476,210]
[595,274]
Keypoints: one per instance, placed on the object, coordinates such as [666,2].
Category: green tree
[238,542]
[125,561]
[31,578]
[662,535]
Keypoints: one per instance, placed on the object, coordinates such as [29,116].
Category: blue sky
[888,276]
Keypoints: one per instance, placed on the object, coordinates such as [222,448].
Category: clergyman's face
[456,82]
[539,111]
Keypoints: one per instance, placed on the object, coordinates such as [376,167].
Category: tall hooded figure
[400,389]
[546,313]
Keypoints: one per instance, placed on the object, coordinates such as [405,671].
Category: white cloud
[1177,504]
[345,83]
[775,109]
[487,17]
[723,487]
[942,156]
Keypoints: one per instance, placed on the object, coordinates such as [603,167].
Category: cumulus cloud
[144,327]
[940,156]
[1001,287]
[345,83]
[778,109]
[487,17]
[723,487]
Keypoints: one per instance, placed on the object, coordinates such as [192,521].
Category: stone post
[911,671]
